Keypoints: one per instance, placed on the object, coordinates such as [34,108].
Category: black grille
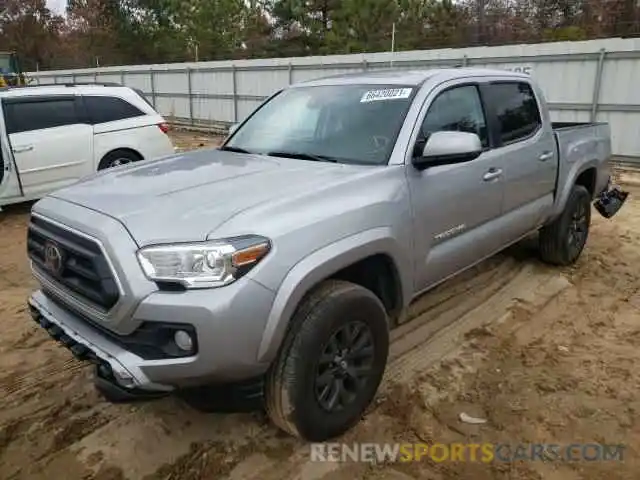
[79,264]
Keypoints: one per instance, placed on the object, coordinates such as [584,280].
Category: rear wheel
[331,362]
[117,158]
[562,241]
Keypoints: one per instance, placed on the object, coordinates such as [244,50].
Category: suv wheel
[562,241]
[331,362]
[117,158]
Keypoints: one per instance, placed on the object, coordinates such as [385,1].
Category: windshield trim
[394,139]
[255,110]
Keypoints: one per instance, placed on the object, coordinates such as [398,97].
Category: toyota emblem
[53,258]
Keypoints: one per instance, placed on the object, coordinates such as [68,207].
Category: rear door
[52,142]
[528,148]
[119,124]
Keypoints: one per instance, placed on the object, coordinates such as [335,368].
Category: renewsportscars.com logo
[465,452]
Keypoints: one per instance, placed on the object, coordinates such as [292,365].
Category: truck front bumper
[227,340]
[115,369]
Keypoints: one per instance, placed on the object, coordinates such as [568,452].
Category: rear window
[517,110]
[103,109]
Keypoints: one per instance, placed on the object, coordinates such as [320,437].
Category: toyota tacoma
[283,257]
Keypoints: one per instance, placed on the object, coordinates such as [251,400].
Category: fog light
[183,340]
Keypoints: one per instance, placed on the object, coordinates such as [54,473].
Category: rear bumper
[610,201]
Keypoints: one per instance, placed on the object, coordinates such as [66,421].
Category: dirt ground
[188,140]
[545,355]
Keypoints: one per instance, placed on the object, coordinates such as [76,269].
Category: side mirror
[233,128]
[445,148]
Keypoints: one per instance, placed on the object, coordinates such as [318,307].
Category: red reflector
[164,127]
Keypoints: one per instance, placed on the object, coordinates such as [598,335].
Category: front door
[51,143]
[456,206]
[9,186]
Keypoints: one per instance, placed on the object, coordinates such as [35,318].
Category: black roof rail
[72,84]
[101,84]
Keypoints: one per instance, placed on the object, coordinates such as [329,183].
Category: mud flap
[610,201]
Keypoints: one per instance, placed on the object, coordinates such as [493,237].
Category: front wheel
[562,241]
[331,362]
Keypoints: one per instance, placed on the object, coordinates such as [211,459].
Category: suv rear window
[103,109]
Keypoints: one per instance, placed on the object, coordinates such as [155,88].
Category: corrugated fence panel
[260,83]
[583,81]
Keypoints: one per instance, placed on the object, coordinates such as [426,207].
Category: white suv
[53,135]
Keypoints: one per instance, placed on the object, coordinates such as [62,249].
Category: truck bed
[573,125]
[580,141]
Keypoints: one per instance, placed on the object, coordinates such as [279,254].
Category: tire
[562,241]
[297,395]
[117,158]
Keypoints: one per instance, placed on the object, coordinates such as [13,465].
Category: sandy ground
[545,355]
[188,140]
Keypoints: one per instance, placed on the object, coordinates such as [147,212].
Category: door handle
[22,148]
[492,174]
[545,156]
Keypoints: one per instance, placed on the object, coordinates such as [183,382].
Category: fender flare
[320,265]
[572,176]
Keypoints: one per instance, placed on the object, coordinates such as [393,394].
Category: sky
[57,6]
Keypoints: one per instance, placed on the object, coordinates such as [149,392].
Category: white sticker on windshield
[387,94]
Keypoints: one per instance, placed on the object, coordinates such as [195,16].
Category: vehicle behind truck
[54,135]
[276,264]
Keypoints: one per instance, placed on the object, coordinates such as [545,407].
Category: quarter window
[40,114]
[104,109]
[458,109]
[516,110]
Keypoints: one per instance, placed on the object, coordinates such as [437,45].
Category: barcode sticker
[387,94]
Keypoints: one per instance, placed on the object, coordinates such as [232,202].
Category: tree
[30,29]
[361,26]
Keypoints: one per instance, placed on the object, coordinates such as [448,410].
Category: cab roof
[407,77]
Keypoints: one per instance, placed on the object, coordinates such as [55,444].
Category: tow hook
[610,201]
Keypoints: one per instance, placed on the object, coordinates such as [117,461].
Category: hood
[185,197]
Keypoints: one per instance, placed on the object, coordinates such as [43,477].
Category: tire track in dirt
[29,380]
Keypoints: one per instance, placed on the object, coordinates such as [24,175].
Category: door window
[516,110]
[457,109]
[29,115]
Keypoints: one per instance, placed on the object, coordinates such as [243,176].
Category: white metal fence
[584,81]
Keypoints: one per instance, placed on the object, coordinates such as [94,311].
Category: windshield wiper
[303,156]
[234,149]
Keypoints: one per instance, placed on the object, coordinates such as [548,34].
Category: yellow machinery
[11,74]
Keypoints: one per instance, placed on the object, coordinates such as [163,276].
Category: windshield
[341,123]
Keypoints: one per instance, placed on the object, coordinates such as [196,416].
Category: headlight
[203,265]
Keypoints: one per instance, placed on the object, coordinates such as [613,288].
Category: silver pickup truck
[279,261]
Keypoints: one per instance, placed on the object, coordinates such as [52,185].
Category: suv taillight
[164,127]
